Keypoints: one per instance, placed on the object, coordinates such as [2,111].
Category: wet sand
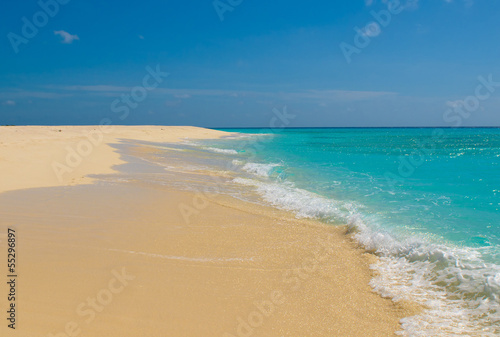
[44,156]
[119,259]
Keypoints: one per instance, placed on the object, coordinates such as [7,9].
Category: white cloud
[66,37]
[371,30]
[97,88]
[9,102]
[23,94]
[368,2]
[467,3]
[324,96]
[338,95]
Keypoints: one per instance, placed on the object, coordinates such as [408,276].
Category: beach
[102,251]
[53,155]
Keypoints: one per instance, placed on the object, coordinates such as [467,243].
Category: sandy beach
[112,258]
[42,156]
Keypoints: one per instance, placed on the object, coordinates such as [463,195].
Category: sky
[240,63]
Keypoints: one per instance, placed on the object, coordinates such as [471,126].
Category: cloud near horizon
[332,95]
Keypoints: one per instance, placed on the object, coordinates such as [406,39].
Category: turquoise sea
[426,201]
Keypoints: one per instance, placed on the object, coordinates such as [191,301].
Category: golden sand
[43,156]
[119,259]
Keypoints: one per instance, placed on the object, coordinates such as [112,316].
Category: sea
[426,201]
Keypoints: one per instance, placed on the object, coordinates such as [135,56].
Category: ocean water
[426,201]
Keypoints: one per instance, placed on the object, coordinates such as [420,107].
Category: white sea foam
[303,203]
[217,150]
[239,136]
[460,291]
[262,170]
[189,142]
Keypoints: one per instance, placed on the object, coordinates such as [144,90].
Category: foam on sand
[262,170]
[460,291]
[217,150]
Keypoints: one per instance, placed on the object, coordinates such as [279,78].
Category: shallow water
[425,200]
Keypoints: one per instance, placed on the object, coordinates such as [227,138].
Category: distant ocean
[426,201]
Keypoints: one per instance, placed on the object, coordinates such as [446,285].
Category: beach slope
[120,258]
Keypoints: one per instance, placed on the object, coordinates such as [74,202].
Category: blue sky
[420,68]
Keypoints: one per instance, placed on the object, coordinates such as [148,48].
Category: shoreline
[235,269]
[66,155]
